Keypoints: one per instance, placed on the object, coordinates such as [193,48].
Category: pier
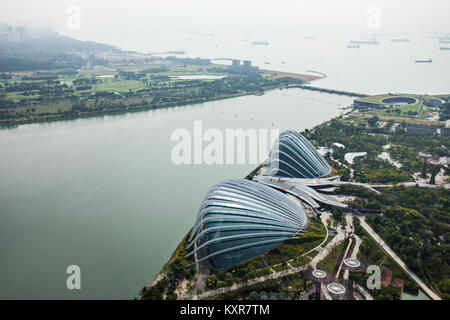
[332,91]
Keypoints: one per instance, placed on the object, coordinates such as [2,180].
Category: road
[343,258]
[364,292]
[397,259]
[340,235]
[250,282]
[350,228]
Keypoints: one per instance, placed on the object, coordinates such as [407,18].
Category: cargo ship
[358,42]
[424,61]
[399,40]
[261,43]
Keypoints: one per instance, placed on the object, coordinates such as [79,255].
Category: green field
[115,83]
[67,94]
[408,111]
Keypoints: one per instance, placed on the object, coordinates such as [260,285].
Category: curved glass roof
[294,156]
[240,219]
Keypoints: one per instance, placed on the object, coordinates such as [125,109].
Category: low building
[444,160]
[446,130]
[338,145]
[366,104]
[413,127]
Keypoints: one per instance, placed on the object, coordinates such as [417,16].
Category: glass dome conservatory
[240,219]
[294,156]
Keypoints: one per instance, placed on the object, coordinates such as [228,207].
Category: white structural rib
[239,214]
[294,156]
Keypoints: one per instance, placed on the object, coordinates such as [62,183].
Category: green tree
[211,282]
[373,121]
[424,170]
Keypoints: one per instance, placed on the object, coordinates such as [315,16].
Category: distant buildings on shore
[10,34]
[237,63]
[423,128]
[446,130]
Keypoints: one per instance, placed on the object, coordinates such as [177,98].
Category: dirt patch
[386,276]
[304,77]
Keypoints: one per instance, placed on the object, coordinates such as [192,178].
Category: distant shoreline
[52,118]
[12,124]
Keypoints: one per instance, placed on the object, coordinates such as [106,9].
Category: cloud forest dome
[292,155]
[240,219]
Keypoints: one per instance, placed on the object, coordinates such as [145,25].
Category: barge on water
[424,61]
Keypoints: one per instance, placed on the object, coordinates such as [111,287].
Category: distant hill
[50,50]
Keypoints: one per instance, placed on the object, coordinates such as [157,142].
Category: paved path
[350,227]
[250,282]
[425,185]
[325,292]
[394,126]
[364,292]
[340,235]
[377,238]
[343,258]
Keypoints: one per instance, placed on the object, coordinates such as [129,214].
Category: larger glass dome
[240,219]
[294,156]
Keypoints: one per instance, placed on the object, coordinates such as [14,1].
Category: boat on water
[424,61]
[358,42]
[261,43]
[400,40]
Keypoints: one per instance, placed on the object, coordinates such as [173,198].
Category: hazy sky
[99,17]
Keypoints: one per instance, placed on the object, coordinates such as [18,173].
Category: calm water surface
[372,69]
[420,296]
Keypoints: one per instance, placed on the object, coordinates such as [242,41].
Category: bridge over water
[332,91]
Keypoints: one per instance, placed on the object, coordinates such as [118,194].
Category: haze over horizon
[254,140]
[101,19]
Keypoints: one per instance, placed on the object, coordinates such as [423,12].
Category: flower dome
[240,219]
[294,156]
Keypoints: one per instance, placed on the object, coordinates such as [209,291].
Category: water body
[102,193]
[372,69]
[420,296]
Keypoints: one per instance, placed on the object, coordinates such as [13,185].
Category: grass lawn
[403,109]
[330,262]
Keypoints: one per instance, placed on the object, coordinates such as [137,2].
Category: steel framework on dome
[241,219]
[292,155]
